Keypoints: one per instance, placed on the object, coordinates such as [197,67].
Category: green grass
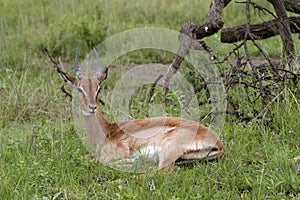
[41,156]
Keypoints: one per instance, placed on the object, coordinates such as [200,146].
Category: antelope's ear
[67,77]
[103,75]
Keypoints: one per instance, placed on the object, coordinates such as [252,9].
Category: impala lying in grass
[170,140]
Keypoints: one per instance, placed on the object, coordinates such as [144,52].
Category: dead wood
[291,5]
[284,29]
[258,31]
[191,31]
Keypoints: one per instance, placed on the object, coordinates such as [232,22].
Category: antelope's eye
[98,90]
[80,89]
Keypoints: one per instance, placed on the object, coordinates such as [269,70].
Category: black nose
[92,108]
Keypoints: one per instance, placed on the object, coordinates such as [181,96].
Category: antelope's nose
[92,108]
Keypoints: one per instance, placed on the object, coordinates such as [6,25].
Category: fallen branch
[258,31]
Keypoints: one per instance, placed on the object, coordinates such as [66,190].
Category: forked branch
[191,32]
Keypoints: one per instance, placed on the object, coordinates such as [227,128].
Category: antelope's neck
[97,129]
[101,119]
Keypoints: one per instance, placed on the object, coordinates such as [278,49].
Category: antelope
[172,141]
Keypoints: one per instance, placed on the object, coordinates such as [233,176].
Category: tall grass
[41,156]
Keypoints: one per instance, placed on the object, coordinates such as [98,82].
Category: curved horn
[99,66]
[76,65]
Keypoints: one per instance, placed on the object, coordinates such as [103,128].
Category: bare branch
[284,29]
[258,31]
[291,5]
